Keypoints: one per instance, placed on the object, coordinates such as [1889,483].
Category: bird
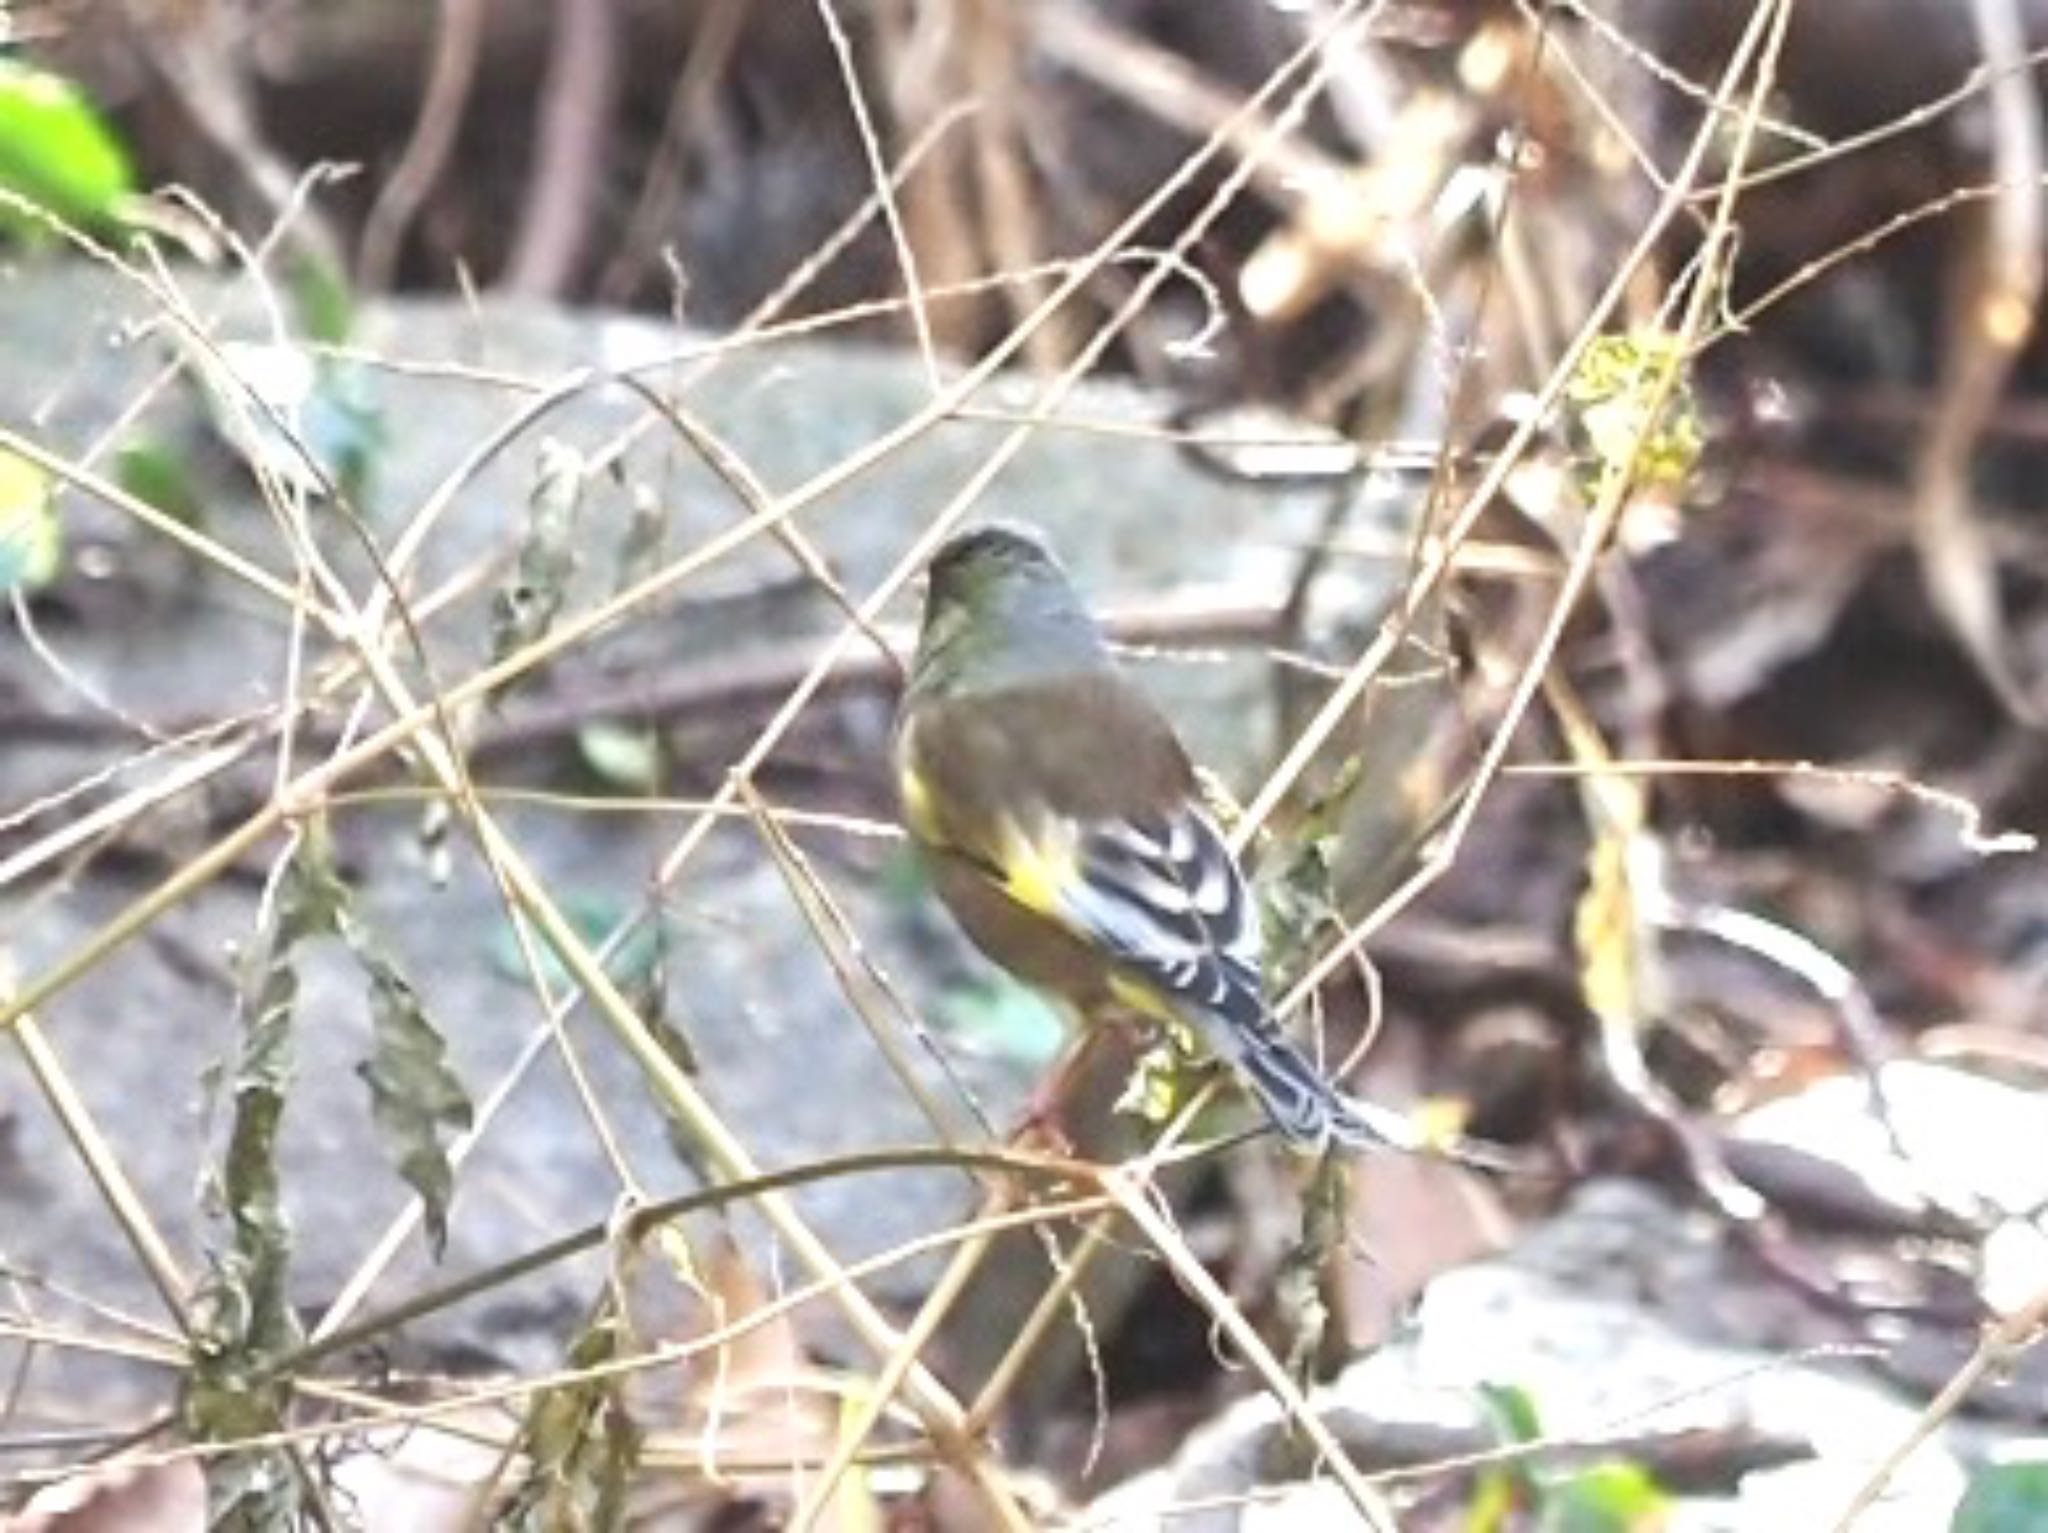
[1063,826]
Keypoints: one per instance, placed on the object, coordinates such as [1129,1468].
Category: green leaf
[57,151]
[1160,1084]
[1496,1498]
[1607,410]
[624,757]
[582,1444]
[2004,1498]
[526,606]
[1297,903]
[343,424]
[905,883]
[243,1319]
[669,1039]
[1513,1411]
[1611,1497]
[593,917]
[303,420]
[1503,1489]
[415,1098]
[152,470]
[1005,1018]
[321,301]
[641,542]
[31,534]
[256,394]
[644,983]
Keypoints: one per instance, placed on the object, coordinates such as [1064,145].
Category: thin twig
[578,99]
[457,42]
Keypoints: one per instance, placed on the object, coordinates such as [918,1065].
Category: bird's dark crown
[994,543]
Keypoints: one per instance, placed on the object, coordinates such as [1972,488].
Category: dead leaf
[424,1478]
[119,1498]
[1415,1216]
[758,1402]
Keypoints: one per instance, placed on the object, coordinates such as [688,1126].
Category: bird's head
[999,601]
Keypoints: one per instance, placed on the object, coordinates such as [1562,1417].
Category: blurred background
[1573,469]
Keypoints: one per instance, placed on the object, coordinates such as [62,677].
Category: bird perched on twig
[1065,830]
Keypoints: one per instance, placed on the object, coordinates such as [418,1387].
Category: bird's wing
[1119,852]
[1162,893]
[1166,899]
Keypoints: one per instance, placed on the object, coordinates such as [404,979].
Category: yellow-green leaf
[31,536]
[56,150]
[625,757]
[151,470]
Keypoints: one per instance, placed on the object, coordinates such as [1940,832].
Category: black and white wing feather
[1163,894]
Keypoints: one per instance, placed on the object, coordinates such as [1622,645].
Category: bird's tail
[1306,1108]
[1312,1114]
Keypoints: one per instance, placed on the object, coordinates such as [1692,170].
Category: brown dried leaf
[1416,1216]
[762,1402]
[119,1498]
